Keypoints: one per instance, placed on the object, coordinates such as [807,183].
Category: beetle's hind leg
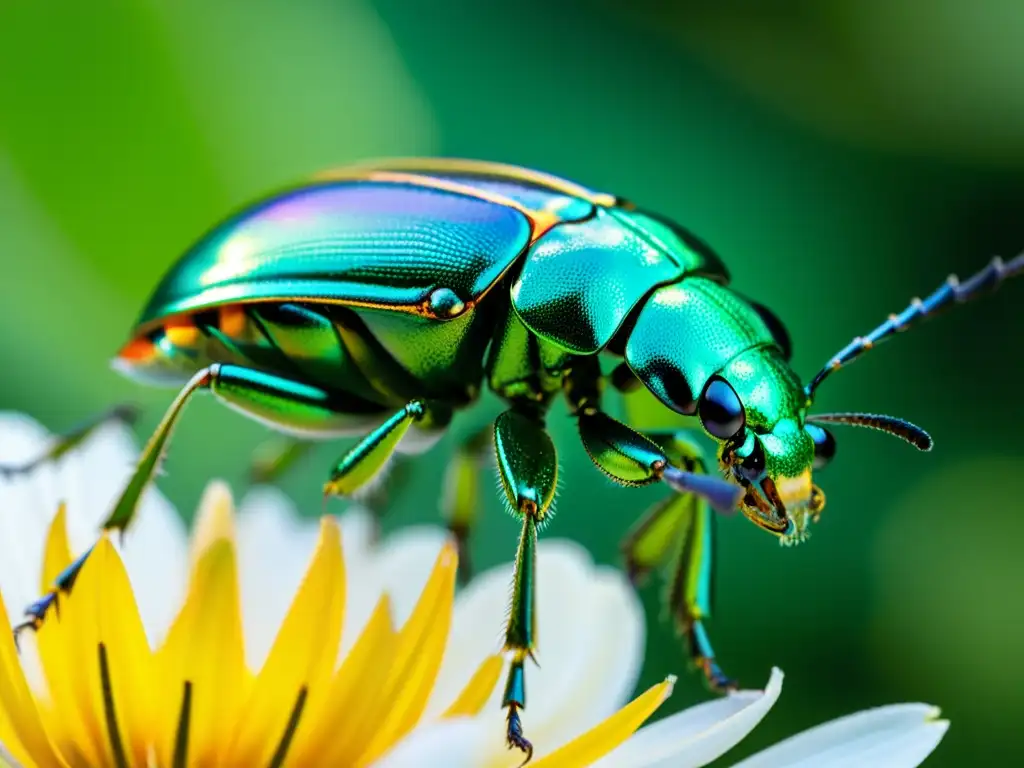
[678,534]
[63,443]
[460,501]
[124,509]
[259,395]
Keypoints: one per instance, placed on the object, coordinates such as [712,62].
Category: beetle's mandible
[377,300]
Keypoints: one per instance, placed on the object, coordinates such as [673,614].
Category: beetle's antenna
[951,292]
[891,425]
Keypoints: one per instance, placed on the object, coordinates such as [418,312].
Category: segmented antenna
[949,293]
[891,425]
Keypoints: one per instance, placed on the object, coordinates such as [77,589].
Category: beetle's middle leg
[528,467]
[275,456]
[285,403]
[461,498]
[682,525]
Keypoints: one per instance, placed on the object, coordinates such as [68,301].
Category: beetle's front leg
[678,534]
[528,467]
[71,439]
[682,524]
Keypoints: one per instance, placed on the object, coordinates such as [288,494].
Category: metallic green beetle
[377,300]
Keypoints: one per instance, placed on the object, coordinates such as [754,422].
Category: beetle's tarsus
[717,680]
[514,737]
[29,624]
[36,615]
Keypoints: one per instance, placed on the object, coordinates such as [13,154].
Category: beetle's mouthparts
[763,506]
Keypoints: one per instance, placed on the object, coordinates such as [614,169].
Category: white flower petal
[896,736]
[453,744]
[21,438]
[357,531]
[476,632]
[697,735]
[361,591]
[155,554]
[103,464]
[403,563]
[274,549]
[24,501]
[590,637]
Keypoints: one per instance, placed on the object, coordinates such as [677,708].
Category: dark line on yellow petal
[181,737]
[113,732]
[289,732]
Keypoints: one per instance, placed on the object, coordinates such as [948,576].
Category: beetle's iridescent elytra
[379,299]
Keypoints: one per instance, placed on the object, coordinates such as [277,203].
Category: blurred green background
[841,156]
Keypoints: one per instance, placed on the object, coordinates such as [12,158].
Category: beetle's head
[683,348]
[754,409]
[769,445]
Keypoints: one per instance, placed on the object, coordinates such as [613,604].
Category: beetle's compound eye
[824,445]
[720,410]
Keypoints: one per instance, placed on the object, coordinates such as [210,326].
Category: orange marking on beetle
[181,331]
[138,350]
[231,320]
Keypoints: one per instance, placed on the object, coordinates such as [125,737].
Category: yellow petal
[215,519]
[202,673]
[297,673]
[104,637]
[68,647]
[607,735]
[420,649]
[57,554]
[56,557]
[357,693]
[21,726]
[62,715]
[478,690]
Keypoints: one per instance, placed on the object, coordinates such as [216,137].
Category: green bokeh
[126,128]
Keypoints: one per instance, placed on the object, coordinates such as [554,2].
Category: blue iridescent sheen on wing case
[365,242]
